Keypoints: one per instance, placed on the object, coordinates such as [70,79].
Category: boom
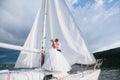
[20,48]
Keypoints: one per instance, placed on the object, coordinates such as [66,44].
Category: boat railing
[82,68]
[91,68]
[98,63]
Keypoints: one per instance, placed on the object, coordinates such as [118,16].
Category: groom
[56,44]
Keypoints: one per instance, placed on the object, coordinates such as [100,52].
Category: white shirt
[59,45]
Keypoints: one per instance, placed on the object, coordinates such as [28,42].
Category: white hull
[87,75]
[39,75]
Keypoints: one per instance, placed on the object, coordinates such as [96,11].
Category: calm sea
[110,74]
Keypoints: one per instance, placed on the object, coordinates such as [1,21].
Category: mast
[43,34]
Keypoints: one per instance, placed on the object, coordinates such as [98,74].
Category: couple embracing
[54,60]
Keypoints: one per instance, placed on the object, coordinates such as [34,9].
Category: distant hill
[111,58]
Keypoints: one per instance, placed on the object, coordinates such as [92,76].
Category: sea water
[110,74]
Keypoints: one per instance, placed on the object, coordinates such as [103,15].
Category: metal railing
[98,64]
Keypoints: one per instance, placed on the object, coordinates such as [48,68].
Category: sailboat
[52,20]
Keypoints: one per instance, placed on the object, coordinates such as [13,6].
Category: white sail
[63,26]
[59,24]
[30,59]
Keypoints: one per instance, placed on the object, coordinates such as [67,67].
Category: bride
[54,60]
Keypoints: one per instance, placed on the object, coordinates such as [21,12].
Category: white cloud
[85,18]
[5,36]
[73,1]
[7,17]
[110,46]
[98,25]
[17,16]
[99,4]
[109,1]
[19,11]
[9,37]
[111,12]
[96,17]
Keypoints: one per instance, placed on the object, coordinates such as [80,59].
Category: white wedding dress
[55,61]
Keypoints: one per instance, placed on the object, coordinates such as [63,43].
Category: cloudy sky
[99,21]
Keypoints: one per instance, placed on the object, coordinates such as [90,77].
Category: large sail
[59,24]
[30,59]
[63,26]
